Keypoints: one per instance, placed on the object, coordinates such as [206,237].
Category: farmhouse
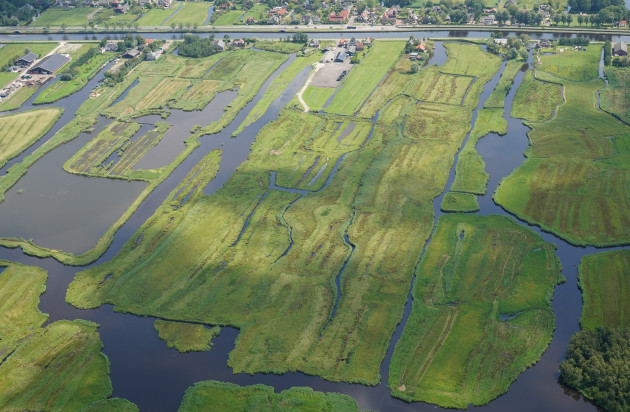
[620,49]
[26,60]
[49,64]
[218,45]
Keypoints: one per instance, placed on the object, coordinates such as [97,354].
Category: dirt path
[303,89]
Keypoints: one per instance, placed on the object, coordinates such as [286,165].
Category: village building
[341,56]
[50,64]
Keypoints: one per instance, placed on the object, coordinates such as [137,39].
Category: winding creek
[154,377]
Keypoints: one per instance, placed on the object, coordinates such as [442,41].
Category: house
[151,56]
[487,20]
[314,44]
[421,48]
[251,20]
[238,43]
[131,53]
[341,56]
[110,47]
[413,56]
[352,42]
[360,46]
[543,44]
[620,49]
[218,45]
[274,20]
[351,50]
[342,43]
[316,19]
[145,2]
[501,42]
[277,11]
[26,60]
[390,15]
[623,23]
[509,3]
[122,9]
[364,17]
[50,64]
[340,17]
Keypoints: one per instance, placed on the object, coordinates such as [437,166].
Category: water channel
[154,377]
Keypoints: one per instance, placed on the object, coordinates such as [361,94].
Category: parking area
[331,73]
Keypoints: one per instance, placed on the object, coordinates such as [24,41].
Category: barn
[49,64]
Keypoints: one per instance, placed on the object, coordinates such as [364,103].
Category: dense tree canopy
[593,6]
[195,46]
[598,365]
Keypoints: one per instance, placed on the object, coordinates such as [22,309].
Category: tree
[607,53]
[523,54]
[414,68]
[580,20]
[63,26]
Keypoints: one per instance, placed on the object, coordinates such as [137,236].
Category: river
[154,377]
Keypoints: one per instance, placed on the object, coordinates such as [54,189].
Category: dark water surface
[154,377]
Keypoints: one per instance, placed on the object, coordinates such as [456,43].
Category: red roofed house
[342,42]
[277,11]
[338,18]
[421,47]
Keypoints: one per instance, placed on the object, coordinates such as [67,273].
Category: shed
[130,54]
[26,60]
[620,49]
[341,56]
[50,64]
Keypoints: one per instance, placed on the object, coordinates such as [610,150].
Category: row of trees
[593,6]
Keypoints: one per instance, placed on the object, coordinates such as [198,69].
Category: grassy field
[258,13]
[16,50]
[365,77]
[275,279]
[227,18]
[470,176]
[191,14]
[77,16]
[275,89]
[459,202]
[536,101]
[605,283]
[316,97]
[574,180]
[279,46]
[87,71]
[186,337]
[228,397]
[615,98]
[19,131]
[497,97]
[157,16]
[481,312]
[110,405]
[573,65]
[58,367]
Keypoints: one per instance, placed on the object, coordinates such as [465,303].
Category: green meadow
[21,130]
[228,397]
[481,312]
[54,17]
[605,283]
[58,367]
[615,98]
[186,337]
[192,13]
[157,16]
[574,180]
